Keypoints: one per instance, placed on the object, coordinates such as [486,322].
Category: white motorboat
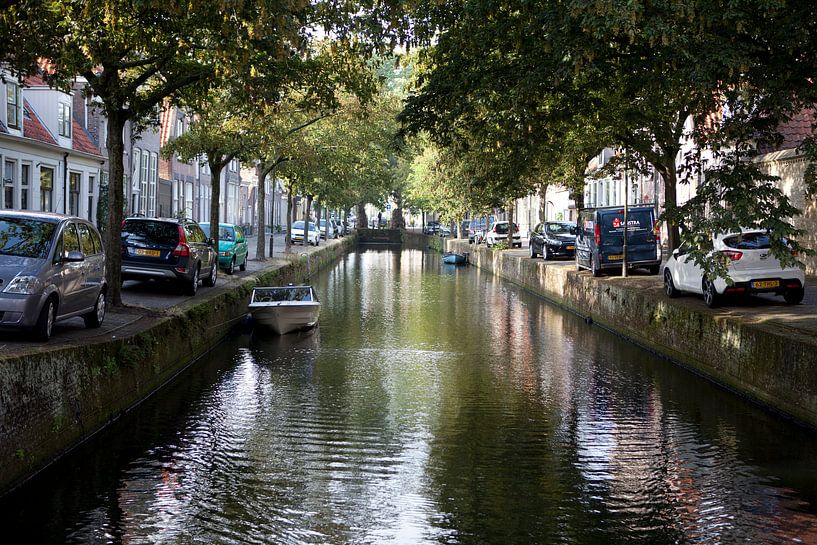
[285,308]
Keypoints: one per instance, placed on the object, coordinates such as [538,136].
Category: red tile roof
[793,131]
[81,140]
[34,81]
[33,127]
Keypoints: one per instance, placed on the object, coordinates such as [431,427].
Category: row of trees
[260,76]
[516,95]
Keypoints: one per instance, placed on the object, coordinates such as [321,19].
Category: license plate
[571,247]
[616,257]
[148,253]
[760,284]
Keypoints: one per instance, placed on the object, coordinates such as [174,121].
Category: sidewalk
[145,302]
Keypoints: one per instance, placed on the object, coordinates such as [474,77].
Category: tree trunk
[215,183]
[113,232]
[362,220]
[260,248]
[326,216]
[543,203]
[511,230]
[288,236]
[670,201]
[306,219]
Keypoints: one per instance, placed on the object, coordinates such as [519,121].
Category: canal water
[433,405]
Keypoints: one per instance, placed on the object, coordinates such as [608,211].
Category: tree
[631,75]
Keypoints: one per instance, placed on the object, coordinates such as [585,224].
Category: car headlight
[24,285]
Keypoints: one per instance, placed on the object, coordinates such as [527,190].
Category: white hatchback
[499,232]
[750,265]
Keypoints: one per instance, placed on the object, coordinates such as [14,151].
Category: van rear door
[640,237]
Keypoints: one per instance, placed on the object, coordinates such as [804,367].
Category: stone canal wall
[54,398]
[772,361]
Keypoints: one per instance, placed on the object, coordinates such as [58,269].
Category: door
[94,270]
[689,275]
[240,245]
[69,277]
[201,251]
[584,234]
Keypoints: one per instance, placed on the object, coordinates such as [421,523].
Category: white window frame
[14,106]
[64,119]
[9,183]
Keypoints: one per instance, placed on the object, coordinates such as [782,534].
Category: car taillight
[733,255]
[598,234]
[657,230]
[795,253]
[182,250]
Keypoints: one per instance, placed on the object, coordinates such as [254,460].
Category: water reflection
[432,405]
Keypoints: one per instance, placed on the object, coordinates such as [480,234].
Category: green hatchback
[232,246]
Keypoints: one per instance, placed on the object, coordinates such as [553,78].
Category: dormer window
[13,110]
[64,119]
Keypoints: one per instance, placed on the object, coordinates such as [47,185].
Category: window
[143,182]
[86,242]
[74,180]
[13,105]
[9,175]
[136,163]
[154,171]
[91,183]
[25,183]
[69,242]
[46,189]
[64,119]
[188,200]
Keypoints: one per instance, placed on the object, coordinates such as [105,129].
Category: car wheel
[210,281]
[710,295]
[95,317]
[231,268]
[45,322]
[669,285]
[545,255]
[191,286]
[243,266]
[533,253]
[595,270]
[794,296]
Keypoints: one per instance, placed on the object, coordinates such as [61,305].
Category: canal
[413,415]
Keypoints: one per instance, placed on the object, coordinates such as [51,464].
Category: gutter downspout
[65,183]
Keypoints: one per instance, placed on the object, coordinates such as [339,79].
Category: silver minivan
[52,267]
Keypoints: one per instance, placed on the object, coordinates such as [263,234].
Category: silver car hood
[11,266]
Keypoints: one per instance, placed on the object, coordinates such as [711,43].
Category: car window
[97,241]
[561,229]
[748,241]
[501,228]
[70,239]
[153,232]
[239,234]
[24,237]
[298,225]
[86,243]
[198,234]
[588,225]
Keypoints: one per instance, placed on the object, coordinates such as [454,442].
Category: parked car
[313,238]
[352,222]
[749,264]
[232,246]
[553,239]
[52,267]
[600,239]
[476,231]
[431,228]
[499,232]
[333,229]
[168,249]
[444,231]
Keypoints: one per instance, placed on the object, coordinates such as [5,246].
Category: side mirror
[676,252]
[73,257]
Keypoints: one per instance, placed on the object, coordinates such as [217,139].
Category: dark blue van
[600,239]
